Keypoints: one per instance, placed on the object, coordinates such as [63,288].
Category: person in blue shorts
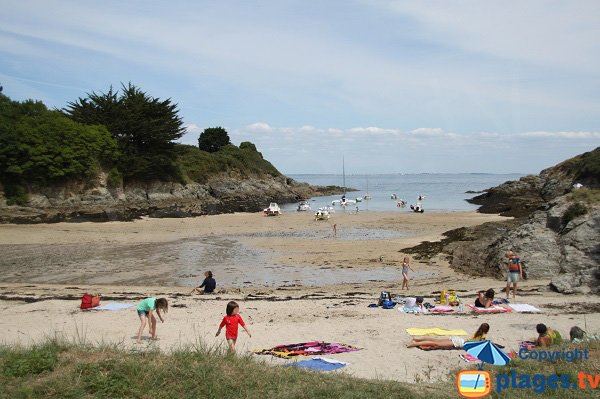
[145,311]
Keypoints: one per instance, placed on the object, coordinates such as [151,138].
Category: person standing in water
[405,268]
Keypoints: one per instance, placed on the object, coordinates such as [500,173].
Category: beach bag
[388,304]
[86,301]
[89,301]
[384,296]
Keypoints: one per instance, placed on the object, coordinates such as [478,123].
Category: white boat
[303,206]
[343,202]
[329,209]
[322,215]
[367,197]
[272,210]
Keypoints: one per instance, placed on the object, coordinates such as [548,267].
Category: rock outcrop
[556,235]
[78,201]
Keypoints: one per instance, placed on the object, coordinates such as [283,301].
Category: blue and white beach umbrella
[487,352]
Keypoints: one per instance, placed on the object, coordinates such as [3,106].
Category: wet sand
[293,280]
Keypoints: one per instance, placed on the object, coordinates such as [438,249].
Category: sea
[443,192]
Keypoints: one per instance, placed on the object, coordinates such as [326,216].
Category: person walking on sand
[231,322]
[335,230]
[405,268]
[145,311]
[514,273]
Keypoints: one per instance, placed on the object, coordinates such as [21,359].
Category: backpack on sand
[384,296]
[89,301]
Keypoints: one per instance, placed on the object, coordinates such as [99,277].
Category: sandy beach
[293,279]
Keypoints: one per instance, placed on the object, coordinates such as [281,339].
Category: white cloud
[260,127]
[428,131]
[563,135]
[372,130]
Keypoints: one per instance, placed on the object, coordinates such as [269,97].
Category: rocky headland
[98,202]
[555,228]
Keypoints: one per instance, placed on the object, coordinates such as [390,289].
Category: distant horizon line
[408,173]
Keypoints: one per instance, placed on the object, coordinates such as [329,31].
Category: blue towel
[114,306]
[316,364]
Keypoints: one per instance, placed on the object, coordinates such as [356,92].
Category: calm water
[443,192]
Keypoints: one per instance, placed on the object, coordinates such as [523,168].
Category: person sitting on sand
[448,343]
[209,284]
[414,304]
[547,336]
[145,312]
[485,299]
[405,268]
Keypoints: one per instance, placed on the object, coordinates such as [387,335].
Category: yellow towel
[434,331]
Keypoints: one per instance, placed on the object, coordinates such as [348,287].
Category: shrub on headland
[131,135]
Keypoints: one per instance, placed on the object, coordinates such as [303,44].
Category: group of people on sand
[231,321]
[546,337]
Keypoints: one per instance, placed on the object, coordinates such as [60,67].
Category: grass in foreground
[539,385]
[58,370]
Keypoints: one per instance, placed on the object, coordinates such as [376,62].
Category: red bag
[88,301]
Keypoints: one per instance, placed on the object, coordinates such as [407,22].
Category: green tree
[144,127]
[213,138]
[41,146]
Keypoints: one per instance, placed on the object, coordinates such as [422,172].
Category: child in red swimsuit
[231,322]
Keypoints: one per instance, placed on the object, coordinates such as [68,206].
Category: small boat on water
[321,215]
[272,210]
[329,209]
[303,206]
[343,202]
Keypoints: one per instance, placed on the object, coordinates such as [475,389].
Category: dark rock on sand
[563,250]
[96,202]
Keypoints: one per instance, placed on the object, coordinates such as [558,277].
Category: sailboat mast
[344,173]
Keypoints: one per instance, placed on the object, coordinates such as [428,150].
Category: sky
[391,86]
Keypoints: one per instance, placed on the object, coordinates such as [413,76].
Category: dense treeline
[127,133]
[40,146]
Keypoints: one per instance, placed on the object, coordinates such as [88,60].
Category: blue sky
[394,86]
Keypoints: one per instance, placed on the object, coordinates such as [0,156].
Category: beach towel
[114,306]
[468,358]
[410,310]
[434,331]
[306,349]
[319,364]
[527,344]
[442,309]
[493,309]
[523,307]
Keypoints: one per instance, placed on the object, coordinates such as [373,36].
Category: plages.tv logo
[473,383]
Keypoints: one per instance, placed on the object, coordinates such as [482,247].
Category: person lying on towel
[448,343]
[485,299]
